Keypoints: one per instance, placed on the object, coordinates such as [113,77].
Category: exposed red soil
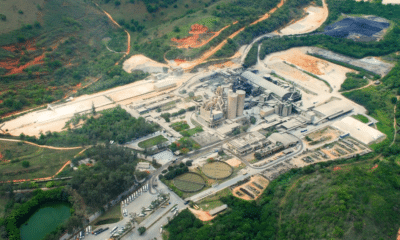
[374,167]
[200,36]
[178,61]
[336,168]
[11,64]
[20,69]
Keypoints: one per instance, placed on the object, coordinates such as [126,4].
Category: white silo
[240,102]
[232,104]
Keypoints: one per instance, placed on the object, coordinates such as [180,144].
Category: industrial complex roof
[360,131]
[333,109]
[284,138]
[281,92]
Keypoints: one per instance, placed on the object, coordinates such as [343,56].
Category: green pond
[44,221]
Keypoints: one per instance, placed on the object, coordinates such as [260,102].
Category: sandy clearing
[139,62]
[234,162]
[391,2]
[202,215]
[316,16]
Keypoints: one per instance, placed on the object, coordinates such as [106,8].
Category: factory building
[248,143]
[332,110]
[286,139]
[212,112]
[279,92]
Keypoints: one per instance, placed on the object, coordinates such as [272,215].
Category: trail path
[209,53]
[41,146]
[369,84]
[128,50]
[394,123]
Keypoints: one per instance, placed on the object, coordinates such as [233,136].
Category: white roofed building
[358,130]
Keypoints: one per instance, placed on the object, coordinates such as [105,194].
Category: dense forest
[316,202]
[115,124]
[112,173]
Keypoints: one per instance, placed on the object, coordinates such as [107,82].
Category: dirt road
[209,53]
[41,146]
[128,50]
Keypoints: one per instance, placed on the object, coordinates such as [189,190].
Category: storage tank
[232,104]
[240,102]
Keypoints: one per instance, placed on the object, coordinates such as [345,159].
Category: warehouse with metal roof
[332,109]
[286,139]
[282,93]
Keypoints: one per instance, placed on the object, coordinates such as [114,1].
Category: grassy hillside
[42,162]
[18,13]
[357,201]
[65,51]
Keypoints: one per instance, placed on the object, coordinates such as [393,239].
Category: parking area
[152,222]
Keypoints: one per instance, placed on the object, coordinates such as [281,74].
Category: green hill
[357,201]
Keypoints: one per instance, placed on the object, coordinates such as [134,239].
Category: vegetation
[282,212]
[39,162]
[361,118]
[22,214]
[175,171]
[191,132]
[109,177]
[68,59]
[115,124]
[152,141]
[184,145]
[112,215]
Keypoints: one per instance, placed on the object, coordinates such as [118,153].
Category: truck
[114,229]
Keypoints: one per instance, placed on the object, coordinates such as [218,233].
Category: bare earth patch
[315,17]
[234,162]
[202,215]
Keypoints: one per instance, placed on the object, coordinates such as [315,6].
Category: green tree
[141,230]
[191,94]
[3,17]
[257,155]
[25,164]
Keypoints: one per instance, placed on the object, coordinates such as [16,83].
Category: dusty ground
[328,133]
[332,73]
[391,2]
[315,17]
[139,62]
[200,36]
[259,180]
[234,162]
[54,120]
[202,215]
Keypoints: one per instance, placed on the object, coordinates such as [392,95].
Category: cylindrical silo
[232,104]
[240,102]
